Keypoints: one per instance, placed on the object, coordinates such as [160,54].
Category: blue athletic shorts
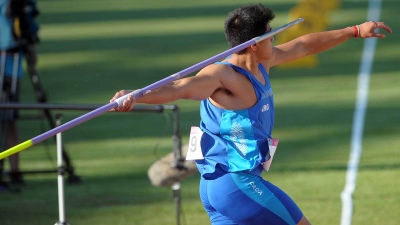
[242,198]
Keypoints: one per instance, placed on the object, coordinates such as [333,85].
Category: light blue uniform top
[237,140]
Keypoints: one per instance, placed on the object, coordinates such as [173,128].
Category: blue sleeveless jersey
[237,140]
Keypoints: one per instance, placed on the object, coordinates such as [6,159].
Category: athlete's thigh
[248,199]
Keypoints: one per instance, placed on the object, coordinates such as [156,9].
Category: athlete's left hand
[368,29]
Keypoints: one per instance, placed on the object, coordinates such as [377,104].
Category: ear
[254,47]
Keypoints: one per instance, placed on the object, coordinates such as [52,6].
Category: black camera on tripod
[23,14]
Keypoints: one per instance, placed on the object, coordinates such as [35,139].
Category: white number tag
[273,144]
[194,149]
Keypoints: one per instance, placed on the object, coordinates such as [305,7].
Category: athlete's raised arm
[321,41]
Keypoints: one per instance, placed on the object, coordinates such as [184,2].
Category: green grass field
[92,48]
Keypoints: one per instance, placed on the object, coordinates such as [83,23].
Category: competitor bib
[194,150]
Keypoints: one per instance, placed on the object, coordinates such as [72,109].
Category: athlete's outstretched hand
[368,29]
[128,103]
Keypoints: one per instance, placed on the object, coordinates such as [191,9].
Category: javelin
[137,93]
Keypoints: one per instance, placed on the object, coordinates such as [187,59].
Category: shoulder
[216,69]
[220,72]
[217,72]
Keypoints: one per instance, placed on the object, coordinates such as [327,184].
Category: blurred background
[90,49]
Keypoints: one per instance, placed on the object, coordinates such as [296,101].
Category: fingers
[117,95]
[128,104]
[381,25]
[378,35]
[384,26]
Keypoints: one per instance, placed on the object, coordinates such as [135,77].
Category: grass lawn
[92,48]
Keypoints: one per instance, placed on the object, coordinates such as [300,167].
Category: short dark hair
[247,22]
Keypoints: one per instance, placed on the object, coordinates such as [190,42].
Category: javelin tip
[16,149]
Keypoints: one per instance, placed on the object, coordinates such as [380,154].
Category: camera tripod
[41,97]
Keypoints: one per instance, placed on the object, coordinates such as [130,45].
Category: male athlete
[237,115]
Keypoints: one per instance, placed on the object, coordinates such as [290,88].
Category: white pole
[60,181]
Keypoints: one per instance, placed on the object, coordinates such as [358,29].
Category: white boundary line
[374,10]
